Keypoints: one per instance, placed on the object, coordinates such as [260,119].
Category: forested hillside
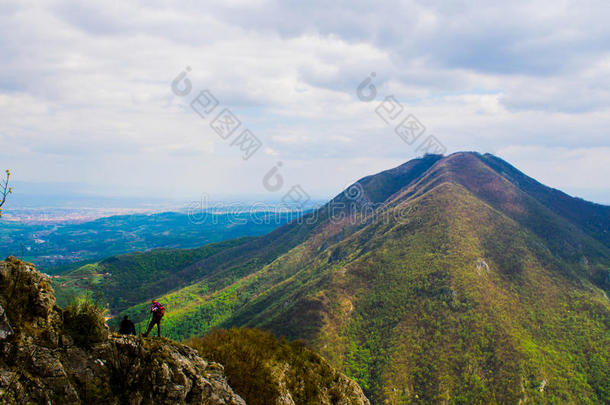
[447,279]
[125,280]
[66,356]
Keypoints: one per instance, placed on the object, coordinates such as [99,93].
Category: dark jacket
[127,327]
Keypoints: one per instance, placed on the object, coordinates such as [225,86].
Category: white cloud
[85,88]
[575,171]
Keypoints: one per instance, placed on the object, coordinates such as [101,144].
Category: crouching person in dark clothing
[157,314]
[127,327]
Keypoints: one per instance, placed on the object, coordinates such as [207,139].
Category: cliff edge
[42,359]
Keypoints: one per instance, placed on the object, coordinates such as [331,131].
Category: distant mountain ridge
[453,279]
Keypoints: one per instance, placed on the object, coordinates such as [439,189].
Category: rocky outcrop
[40,363]
[271,371]
[337,390]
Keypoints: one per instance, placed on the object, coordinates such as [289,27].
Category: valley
[447,279]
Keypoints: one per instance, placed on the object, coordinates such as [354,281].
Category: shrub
[261,367]
[245,356]
[84,321]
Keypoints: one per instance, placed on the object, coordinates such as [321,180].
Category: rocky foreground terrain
[51,355]
[40,362]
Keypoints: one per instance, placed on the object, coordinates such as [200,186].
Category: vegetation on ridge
[84,321]
[67,356]
[484,293]
[124,280]
[264,370]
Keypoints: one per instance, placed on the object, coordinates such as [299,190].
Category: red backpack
[160,309]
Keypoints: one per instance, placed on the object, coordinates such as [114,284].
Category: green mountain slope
[125,280]
[66,356]
[445,280]
[592,218]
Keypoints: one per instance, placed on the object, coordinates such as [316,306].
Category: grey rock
[5,326]
[41,363]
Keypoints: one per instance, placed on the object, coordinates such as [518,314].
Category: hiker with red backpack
[157,311]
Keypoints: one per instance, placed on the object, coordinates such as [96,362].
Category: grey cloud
[486,37]
[481,76]
[93,19]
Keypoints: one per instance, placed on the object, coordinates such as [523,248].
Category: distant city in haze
[41,203]
[62,203]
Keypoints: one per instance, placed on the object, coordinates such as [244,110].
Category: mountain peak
[491,179]
[447,279]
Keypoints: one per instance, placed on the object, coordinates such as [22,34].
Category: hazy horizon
[130,99]
[31,195]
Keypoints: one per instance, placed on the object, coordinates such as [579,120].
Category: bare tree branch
[5,189]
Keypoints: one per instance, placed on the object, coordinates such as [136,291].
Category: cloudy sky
[86,97]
